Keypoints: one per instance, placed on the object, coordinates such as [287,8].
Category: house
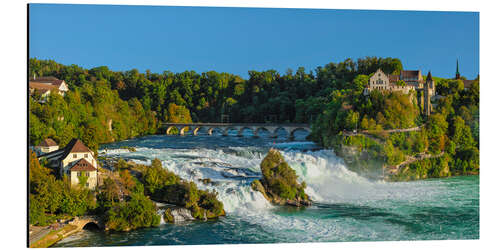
[46,85]
[380,81]
[404,82]
[68,161]
[83,168]
[46,146]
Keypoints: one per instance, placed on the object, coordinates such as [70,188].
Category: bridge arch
[229,128]
[241,129]
[183,129]
[211,130]
[291,134]
[91,225]
[87,222]
[258,130]
[170,129]
[196,129]
[278,129]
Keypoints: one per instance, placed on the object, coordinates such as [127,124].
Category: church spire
[457,74]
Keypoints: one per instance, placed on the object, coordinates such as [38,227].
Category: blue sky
[237,40]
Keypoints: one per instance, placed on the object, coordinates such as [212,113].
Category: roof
[83,165]
[47,79]
[393,78]
[74,146]
[468,83]
[47,143]
[41,86]
[54,155]
[429,76]
[409,73]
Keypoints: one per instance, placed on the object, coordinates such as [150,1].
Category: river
[346,207]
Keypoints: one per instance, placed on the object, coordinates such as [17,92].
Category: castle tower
[428,89]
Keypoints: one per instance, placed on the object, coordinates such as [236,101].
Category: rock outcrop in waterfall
[279,183]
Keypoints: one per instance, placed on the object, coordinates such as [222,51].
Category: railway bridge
[272,128]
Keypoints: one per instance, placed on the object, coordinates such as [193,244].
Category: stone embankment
[42,237]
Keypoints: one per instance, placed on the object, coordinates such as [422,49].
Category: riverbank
[396,159]
[47,237]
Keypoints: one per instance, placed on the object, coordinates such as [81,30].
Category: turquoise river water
[346,207]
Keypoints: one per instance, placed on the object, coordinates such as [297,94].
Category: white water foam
[327,178]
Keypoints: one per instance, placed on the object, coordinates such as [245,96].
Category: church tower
[457,73]
[428,92]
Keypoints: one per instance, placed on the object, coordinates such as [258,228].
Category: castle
[404,82]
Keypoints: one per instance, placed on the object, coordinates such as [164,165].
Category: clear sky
[237,40]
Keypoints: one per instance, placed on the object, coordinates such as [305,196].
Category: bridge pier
[240,131]
[195,131]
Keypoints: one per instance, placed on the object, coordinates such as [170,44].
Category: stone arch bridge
[81,222]
[272,128]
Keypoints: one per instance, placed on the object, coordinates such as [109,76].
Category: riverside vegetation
[330,98]
[136,103]
[121,202]
[449,136]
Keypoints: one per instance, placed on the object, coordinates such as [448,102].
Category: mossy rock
[279,183]
[167,216]
[257,186]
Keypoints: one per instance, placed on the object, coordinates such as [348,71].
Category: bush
[138,212]
[280,179]
[167,187]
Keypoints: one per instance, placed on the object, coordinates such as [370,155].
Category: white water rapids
[328,182]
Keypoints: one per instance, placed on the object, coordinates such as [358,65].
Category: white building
[46,85]
[68,161]
[380,81]
[46,146]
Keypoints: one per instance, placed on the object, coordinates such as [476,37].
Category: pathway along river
[347,207]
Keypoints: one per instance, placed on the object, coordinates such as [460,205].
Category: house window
[78,174]
[86,155]
[74,155]
[87,174]
[86,184]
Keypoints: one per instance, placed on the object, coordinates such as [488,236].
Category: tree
[360,82]
[461,134]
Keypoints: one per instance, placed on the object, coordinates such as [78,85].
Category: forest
[137,102]
[104,106]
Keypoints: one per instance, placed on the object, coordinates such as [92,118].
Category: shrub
[138,212]
[279,178]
